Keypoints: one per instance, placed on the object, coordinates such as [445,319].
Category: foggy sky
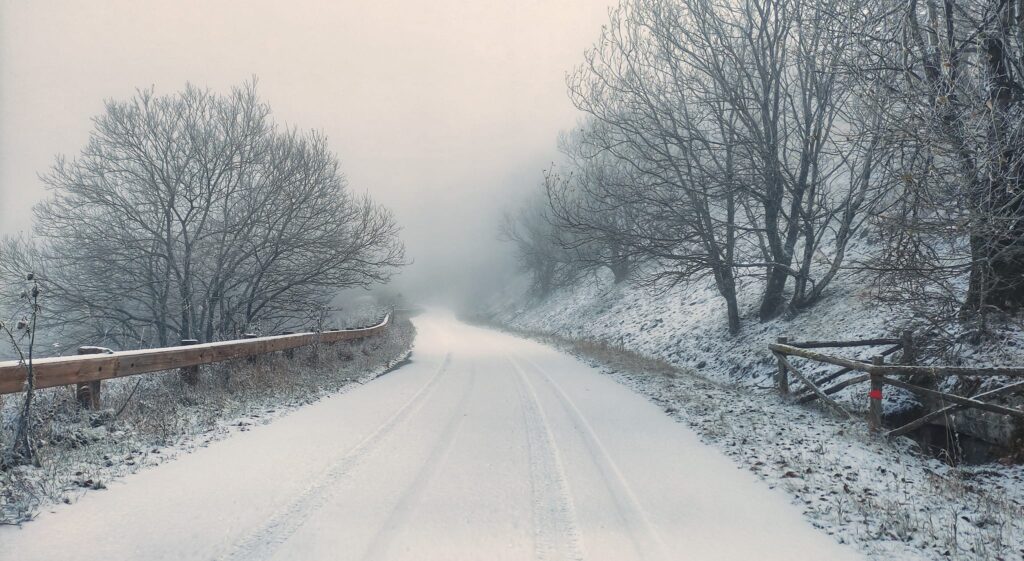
[442,110]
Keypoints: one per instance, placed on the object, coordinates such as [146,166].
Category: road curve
[486,447]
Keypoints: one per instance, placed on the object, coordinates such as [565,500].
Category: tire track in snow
[264,541]
[412,495]
[648,543]
[555,529]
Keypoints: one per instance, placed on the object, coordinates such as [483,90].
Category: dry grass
[605,353]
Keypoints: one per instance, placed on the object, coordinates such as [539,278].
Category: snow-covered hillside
[685,325]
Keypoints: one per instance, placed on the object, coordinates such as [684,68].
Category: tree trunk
[997,244]
[997,274]
[774,297]
[620,270]
[726,284]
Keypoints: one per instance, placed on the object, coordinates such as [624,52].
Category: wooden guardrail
[878,374]
[94,364]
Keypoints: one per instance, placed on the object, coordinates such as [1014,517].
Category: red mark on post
[875,394]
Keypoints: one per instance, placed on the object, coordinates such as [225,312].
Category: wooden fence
[94,364]
[878,374]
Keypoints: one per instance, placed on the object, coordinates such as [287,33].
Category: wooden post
[190,374]
[875,397]
[782,377]
[88,393]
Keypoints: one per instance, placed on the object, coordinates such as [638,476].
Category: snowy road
[486,447]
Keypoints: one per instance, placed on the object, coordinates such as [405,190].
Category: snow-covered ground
[486,446]
[886,498]
[150,419]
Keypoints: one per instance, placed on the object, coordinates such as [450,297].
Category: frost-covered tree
[194,216]
[735,124]
[540,249]
[951,75]
[585,194]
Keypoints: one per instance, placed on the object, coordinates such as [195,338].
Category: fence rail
[94,364]
[878,374]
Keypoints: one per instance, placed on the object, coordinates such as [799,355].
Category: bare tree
[648,118]
[21,334]
[194,216]
[589,214]
[743,145]
[953,147]
[538,249]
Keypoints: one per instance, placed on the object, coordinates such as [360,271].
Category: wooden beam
[829,377]
[899,370]
[965,401]
[895,369]
[912,425]
[860,343]
[66,370]
[824,398]
[820,357]
[833,389]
